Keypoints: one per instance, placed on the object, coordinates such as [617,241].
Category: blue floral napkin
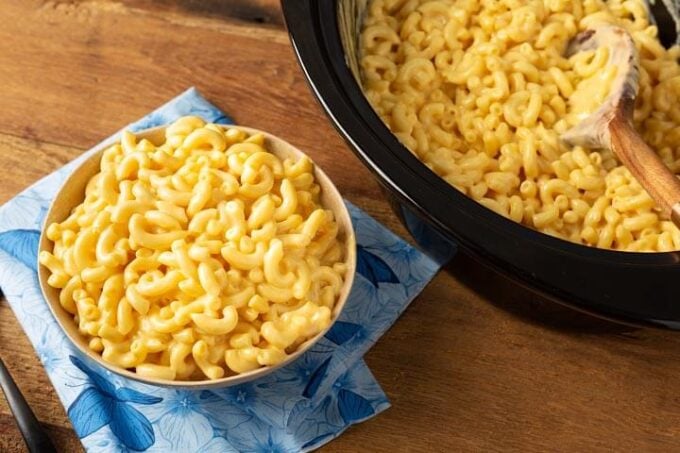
[299,407]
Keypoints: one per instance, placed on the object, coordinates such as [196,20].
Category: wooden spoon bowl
[72,193]
[611,125]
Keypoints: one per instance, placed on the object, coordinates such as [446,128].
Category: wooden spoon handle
[647,167]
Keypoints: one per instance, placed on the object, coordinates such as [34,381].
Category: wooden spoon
[611,125]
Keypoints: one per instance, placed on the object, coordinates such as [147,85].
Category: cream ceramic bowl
[72,193]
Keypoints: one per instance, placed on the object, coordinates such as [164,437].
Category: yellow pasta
[480,91]
[178,262]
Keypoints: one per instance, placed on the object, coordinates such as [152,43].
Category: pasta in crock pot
[480,91]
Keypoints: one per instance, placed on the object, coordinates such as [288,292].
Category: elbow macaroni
[205,256]
[479,90]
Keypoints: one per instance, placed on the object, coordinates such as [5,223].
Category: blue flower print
[383,258]
[272,397]
[189,419]
[369,232]
[28,210]
[268,398]
[105,440]
[342,332]
[353,407]
[360,380]
[344,357]
[32,303]
[315,379]
[218,444]
[313,424]
[358,394]
[22,245]
[184,426]
[42,193]
[298,373]
[16,280]
[53,351]
[373,268]
[51,347]
[259,437]
[102,404]
[351,398]
[413,268]
[364,300]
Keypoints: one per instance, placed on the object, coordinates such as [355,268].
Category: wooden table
[474,364]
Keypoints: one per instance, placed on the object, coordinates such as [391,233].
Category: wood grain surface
[474,364]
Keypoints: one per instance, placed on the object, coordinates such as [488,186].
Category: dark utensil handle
[665,23]
[35,437]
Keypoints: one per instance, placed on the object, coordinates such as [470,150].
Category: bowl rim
[78,340]
[399,161]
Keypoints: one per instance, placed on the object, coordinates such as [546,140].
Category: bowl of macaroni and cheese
[458,107]
[196,255]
